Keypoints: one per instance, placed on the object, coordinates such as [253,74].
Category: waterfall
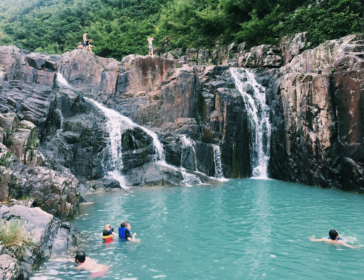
[187,142]
[114,126]
[63,81]
[258,116]
[189,179]
[217,162]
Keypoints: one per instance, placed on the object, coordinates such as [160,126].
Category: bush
[14,234]
[4,161]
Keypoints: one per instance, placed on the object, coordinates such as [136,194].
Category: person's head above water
[107,227]
[125,225]
[80,257]
[333,234]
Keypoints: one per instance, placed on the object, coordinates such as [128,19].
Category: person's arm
[349,246]
[313,238]
[129,237]
[2,37]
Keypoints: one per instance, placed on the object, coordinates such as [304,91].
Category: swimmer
[335,239]
[88,264]
[110,230]
[124,232]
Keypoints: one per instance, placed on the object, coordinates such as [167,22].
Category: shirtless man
[84,39]
[88,264]
[150,45]
[335,239]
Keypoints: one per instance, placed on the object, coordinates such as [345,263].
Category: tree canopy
[121,27]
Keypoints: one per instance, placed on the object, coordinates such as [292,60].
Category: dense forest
[121,27]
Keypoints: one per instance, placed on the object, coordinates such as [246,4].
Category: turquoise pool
[241,229]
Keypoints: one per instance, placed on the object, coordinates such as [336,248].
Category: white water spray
[258,115]
[115,124]
[187,142]
[217,162]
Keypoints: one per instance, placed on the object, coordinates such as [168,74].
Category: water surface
[242,229]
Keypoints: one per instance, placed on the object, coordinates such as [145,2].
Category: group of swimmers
[108,235]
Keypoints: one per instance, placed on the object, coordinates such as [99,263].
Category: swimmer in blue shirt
[335,239]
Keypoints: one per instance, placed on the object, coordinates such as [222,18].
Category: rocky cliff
[313,96]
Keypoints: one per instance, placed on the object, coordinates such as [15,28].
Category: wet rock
[152,175]
[137,147]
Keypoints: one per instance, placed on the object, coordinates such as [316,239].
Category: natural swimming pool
[241,229]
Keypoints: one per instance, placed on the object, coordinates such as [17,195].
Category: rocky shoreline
[54,146]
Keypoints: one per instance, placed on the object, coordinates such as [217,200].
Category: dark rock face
[137,147]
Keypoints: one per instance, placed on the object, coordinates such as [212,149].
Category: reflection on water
[242,229]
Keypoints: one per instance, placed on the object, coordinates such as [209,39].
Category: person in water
[124,232]
[109,230]
[334,238]
[150,45]
[88,264]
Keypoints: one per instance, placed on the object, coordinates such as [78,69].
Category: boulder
[8,121]
[50,237]
[192,55]
[137,148]
[23,138]
[35,62]
[10,268]
[204,57]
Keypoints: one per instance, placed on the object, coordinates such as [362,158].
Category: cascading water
[187,142]
[114,126]
[189,179]
[258,114]
[217,162]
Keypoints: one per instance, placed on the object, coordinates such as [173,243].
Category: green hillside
[120,27]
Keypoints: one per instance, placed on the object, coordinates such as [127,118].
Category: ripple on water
[242,229]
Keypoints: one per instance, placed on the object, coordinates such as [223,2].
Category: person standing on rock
[150,45]
[85,39]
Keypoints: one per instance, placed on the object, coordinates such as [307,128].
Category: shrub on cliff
[14,234]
